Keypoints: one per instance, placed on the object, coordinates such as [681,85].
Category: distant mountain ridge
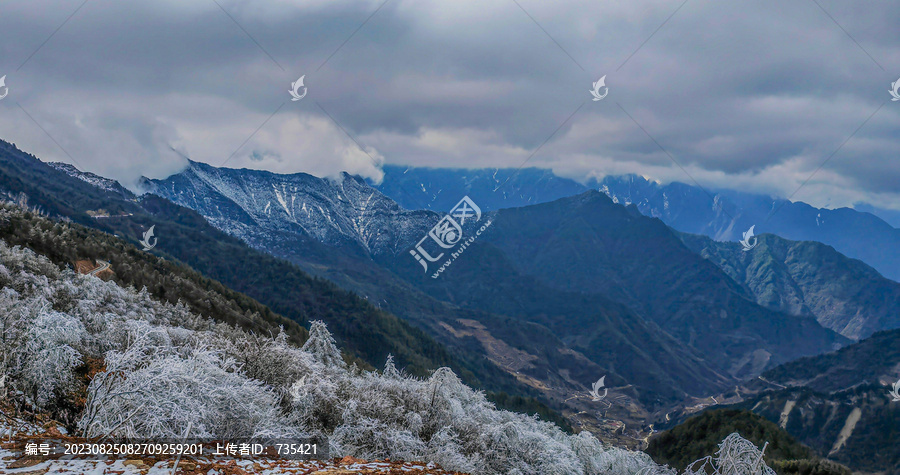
[438,189]
[724,216]
[689,209]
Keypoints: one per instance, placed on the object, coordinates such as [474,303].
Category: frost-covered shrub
[50,355]
[39,348]
[316,404]
[374,439]
[167,391]
[440,419]
[270,360]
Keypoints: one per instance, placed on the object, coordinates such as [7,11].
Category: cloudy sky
[746,95]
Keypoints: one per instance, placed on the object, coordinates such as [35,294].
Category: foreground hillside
[106,360]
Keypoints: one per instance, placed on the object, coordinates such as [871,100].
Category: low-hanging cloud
[754,96]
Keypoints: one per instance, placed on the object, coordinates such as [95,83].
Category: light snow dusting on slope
[96,180]
[343,210]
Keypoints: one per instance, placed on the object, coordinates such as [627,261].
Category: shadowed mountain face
[557,294]
[809,278]
[588,246]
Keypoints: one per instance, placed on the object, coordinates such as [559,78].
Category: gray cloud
[752,96]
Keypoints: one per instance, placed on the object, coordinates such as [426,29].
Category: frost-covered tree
[168,392]
[390,370]
[736,456]
[322,345]
[271,360]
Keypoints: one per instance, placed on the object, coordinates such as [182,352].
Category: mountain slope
[874,360]
[588,245]
[809,278]
[66,244]
[701,435]
[839,404]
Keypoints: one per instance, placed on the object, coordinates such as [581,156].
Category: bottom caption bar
[236,449]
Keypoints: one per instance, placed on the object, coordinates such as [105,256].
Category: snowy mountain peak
[258,206]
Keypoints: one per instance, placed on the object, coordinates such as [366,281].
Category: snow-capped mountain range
[257,206]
